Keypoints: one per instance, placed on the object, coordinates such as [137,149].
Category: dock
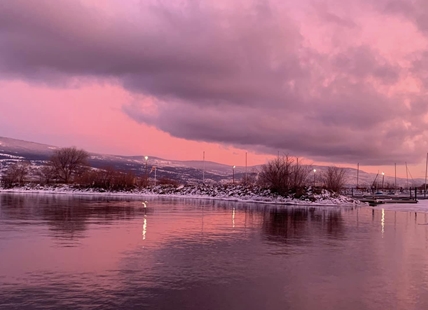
[380,197]
[374,201]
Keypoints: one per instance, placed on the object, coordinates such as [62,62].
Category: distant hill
[12,150]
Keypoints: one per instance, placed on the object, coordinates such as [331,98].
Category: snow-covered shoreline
[235,193]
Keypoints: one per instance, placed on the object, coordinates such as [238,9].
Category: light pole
[146,158]
[233,175]
[383,178]
[315,170]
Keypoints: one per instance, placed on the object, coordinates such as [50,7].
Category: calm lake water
[63,252]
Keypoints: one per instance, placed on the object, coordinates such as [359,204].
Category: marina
[381,198]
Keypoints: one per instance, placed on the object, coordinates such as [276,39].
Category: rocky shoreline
[224,192]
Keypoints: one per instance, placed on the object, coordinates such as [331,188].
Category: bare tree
[46,174]
[334,178]
[68,163]
[16,174]
[300,174]
[284,175]
[278,175]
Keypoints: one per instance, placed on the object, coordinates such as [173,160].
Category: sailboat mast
[407,176]
[426,169]
[395,176]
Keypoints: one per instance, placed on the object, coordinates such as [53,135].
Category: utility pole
[395,177]
[297,174]
[246,168]
[358,172]
[233,176]
[203,167]
[315,170]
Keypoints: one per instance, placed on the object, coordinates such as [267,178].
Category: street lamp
[315,170]
[146,158]
[233,174]
[383,178]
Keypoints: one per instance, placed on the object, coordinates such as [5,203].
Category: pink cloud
[91,117]
[331,81]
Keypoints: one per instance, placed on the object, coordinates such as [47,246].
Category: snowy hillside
[12,150]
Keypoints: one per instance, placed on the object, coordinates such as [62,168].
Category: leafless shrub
[108,179]
[300,175]
[15,174]
[143,181]
[282,175]
[334,178]
[166,181]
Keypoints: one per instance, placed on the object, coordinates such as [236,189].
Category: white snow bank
[224,192]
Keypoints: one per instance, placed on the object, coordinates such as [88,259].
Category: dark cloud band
[245,77]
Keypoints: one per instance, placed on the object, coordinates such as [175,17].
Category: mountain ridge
[191,171]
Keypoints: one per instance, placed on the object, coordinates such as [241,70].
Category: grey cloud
[242,77]
[326,15]
[404,7]
[362,62]
[415,11]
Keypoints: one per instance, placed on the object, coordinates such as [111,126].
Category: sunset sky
[338,82]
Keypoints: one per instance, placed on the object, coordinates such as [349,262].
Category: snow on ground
[11,156]
[227,192]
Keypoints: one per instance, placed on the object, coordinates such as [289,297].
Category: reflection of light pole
[383,178]
[144,227]
[233,217]
[233,174]
[315,170]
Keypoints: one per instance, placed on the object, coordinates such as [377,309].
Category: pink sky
[333,82]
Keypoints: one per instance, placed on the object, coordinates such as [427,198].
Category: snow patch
[231,193]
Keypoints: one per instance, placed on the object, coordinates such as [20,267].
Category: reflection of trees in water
[69,216]
[299,225]
[11,200]
[66,216]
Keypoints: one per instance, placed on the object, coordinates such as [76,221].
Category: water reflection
[67,217]
[382,222]
[233,217]
[206,254]
[297,225]
[144,227]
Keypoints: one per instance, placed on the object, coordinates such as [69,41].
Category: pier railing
[413,192]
